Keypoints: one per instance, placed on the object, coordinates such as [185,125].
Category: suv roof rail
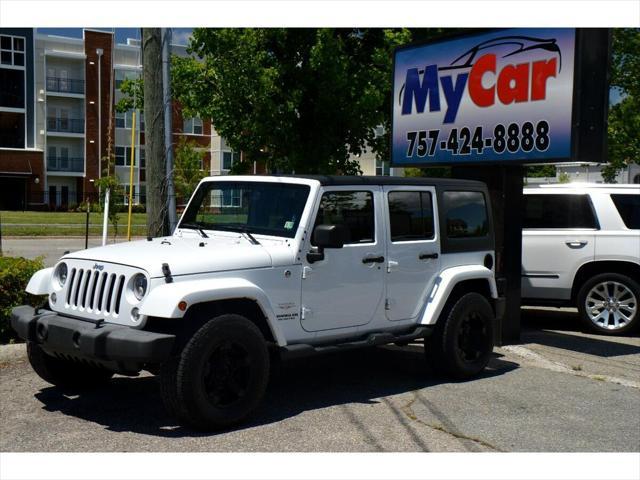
[584,185]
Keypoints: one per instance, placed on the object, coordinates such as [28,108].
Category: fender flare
[39,282]
[445,283]
[163,300]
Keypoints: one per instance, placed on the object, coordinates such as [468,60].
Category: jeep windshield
[251,207]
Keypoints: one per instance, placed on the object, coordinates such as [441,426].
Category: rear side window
[629,209]
[558,211]
[410,216]
[351,209]
[466,214]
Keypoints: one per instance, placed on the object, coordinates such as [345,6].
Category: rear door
[558,237]
[413,249]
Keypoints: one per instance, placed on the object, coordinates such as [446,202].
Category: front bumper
[118,347]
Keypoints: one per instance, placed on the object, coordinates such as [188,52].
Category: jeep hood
[184,255]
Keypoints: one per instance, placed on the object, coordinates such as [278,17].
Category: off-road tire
[226,357]
[446,350]
[65,373]
[632,287]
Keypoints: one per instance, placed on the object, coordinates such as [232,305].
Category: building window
[382,168]
[12,130]
[126,195]
[122,75]
[12,50]
[229,159]
[123,156]
[636,179]
[12,88]
[124,119]
[192,126]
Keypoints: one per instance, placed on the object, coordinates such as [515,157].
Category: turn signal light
[182,305]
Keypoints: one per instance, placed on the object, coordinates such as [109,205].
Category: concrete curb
[13,352]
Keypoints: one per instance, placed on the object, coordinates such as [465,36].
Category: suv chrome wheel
[611,305]
[608,303]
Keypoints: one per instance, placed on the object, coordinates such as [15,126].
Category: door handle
[373,260]
[576,243]
[425,256]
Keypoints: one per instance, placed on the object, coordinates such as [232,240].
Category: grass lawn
[66,223]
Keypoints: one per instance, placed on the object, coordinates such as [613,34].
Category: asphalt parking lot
[560,390]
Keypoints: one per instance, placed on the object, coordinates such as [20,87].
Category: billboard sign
[504,96]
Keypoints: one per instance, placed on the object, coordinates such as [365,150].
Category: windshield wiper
[239,229]
[193,226]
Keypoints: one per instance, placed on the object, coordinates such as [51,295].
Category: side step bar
[303,349]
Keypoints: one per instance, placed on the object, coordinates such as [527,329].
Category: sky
[180,35]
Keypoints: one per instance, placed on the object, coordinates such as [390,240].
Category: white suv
[581,247]
[286,266]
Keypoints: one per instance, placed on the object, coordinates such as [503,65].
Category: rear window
[558,211]
[410,216]
[466,214]
[629,209]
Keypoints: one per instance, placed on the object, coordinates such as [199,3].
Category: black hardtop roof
[340,180]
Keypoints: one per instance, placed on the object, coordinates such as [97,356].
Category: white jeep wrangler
[263,267]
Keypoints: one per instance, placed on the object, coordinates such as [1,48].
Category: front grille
[93,291]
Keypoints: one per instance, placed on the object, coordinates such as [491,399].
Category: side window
[354,210]
[629,208]
[558,211]
[410,216]
[466,214]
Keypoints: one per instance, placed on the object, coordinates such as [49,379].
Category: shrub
[15,273]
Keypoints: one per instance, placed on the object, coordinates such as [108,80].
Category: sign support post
[505,184]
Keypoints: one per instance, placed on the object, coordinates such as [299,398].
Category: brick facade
[96,100]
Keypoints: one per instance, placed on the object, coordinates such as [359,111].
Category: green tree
[433,172]
[540,171]
[187,169]
[132,90]
[300,100]
[624,116]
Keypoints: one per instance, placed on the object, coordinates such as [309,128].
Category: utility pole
[156,168]
[168,130]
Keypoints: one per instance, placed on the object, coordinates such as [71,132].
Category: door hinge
[391,265]
[388,303]
[305,312]
[306,271]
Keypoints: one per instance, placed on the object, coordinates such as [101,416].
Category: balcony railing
[65,85]
[65,125]
[65,164]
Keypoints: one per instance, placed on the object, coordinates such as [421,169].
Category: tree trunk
[154,132]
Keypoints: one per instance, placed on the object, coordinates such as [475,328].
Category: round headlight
[139,286]
[61,274]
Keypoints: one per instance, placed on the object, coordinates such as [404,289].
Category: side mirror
[330,236]
[327,236]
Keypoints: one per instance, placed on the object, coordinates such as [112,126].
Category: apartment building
[58,120]
[21,158]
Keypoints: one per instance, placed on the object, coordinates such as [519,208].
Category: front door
[346,288]
[413,249]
